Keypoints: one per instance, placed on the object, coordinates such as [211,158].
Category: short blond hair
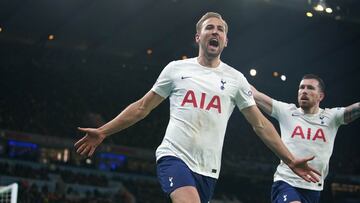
[207,16]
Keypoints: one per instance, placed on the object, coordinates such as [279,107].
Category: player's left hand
[306,172]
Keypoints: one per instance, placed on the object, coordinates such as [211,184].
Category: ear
[226,42]
[322,96]
[197,37]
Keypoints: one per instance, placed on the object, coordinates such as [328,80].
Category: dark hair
[315,77]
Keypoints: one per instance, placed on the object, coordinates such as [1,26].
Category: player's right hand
[87,144]
[301,168]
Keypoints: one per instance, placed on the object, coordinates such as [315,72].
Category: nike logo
[182,77]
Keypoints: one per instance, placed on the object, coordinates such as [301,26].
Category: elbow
[263,128]
[140,110]
[140,114]
[259,127]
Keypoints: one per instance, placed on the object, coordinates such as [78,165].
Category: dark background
[98,63]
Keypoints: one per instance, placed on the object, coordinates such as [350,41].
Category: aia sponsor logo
[190,99]
[308,135]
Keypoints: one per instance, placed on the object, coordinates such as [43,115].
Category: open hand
[87,144]
[306,172]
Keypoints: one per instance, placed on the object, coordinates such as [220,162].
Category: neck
[211,62]
[311,110]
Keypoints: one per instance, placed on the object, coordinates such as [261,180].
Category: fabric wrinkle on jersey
[307,135]
[201,102]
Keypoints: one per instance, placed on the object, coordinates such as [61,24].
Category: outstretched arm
[128,117]
[352,112]
[267,133]
[263,101]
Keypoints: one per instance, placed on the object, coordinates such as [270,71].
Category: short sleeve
[339,115]
[244,96]
[278,107]
[164,83]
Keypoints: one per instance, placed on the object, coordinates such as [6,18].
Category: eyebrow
[213,25]
[306,85]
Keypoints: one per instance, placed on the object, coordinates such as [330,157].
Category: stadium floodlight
[283,77]
[253,72]
[322,6]
[328,10]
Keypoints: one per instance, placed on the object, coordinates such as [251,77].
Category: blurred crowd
[55,100]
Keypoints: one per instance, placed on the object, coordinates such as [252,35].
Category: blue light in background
[22,149]
[113,166]
[110,161]
[119,157]
[22,144]
[103,166]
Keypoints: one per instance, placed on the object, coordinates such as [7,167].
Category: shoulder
[233,73]
[333,115]
[287,106]
[178,65]
[333,112]
[280,108]
[231,70]
[183,62]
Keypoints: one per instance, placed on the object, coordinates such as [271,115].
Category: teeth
[214,42]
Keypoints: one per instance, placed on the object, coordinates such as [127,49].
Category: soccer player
[203,92]
[306,130]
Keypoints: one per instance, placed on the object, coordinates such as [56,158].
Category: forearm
[271,138]
[352,112]
[128,117]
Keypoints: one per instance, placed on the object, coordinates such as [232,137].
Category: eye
[311,87]
[209,27]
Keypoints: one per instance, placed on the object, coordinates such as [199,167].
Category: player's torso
[201,102]
[203,91]
[305,136]
[309,134]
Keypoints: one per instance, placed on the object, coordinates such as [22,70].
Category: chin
[213,54]
[303,105]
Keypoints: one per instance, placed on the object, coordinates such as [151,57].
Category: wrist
[103,133]
[290,162]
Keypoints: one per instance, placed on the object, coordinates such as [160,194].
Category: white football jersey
[201,102]
[307,135]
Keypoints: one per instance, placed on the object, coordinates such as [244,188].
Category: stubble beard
[305,105]
[211,55]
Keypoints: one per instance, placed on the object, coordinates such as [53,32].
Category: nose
[215,31]
[303,91]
